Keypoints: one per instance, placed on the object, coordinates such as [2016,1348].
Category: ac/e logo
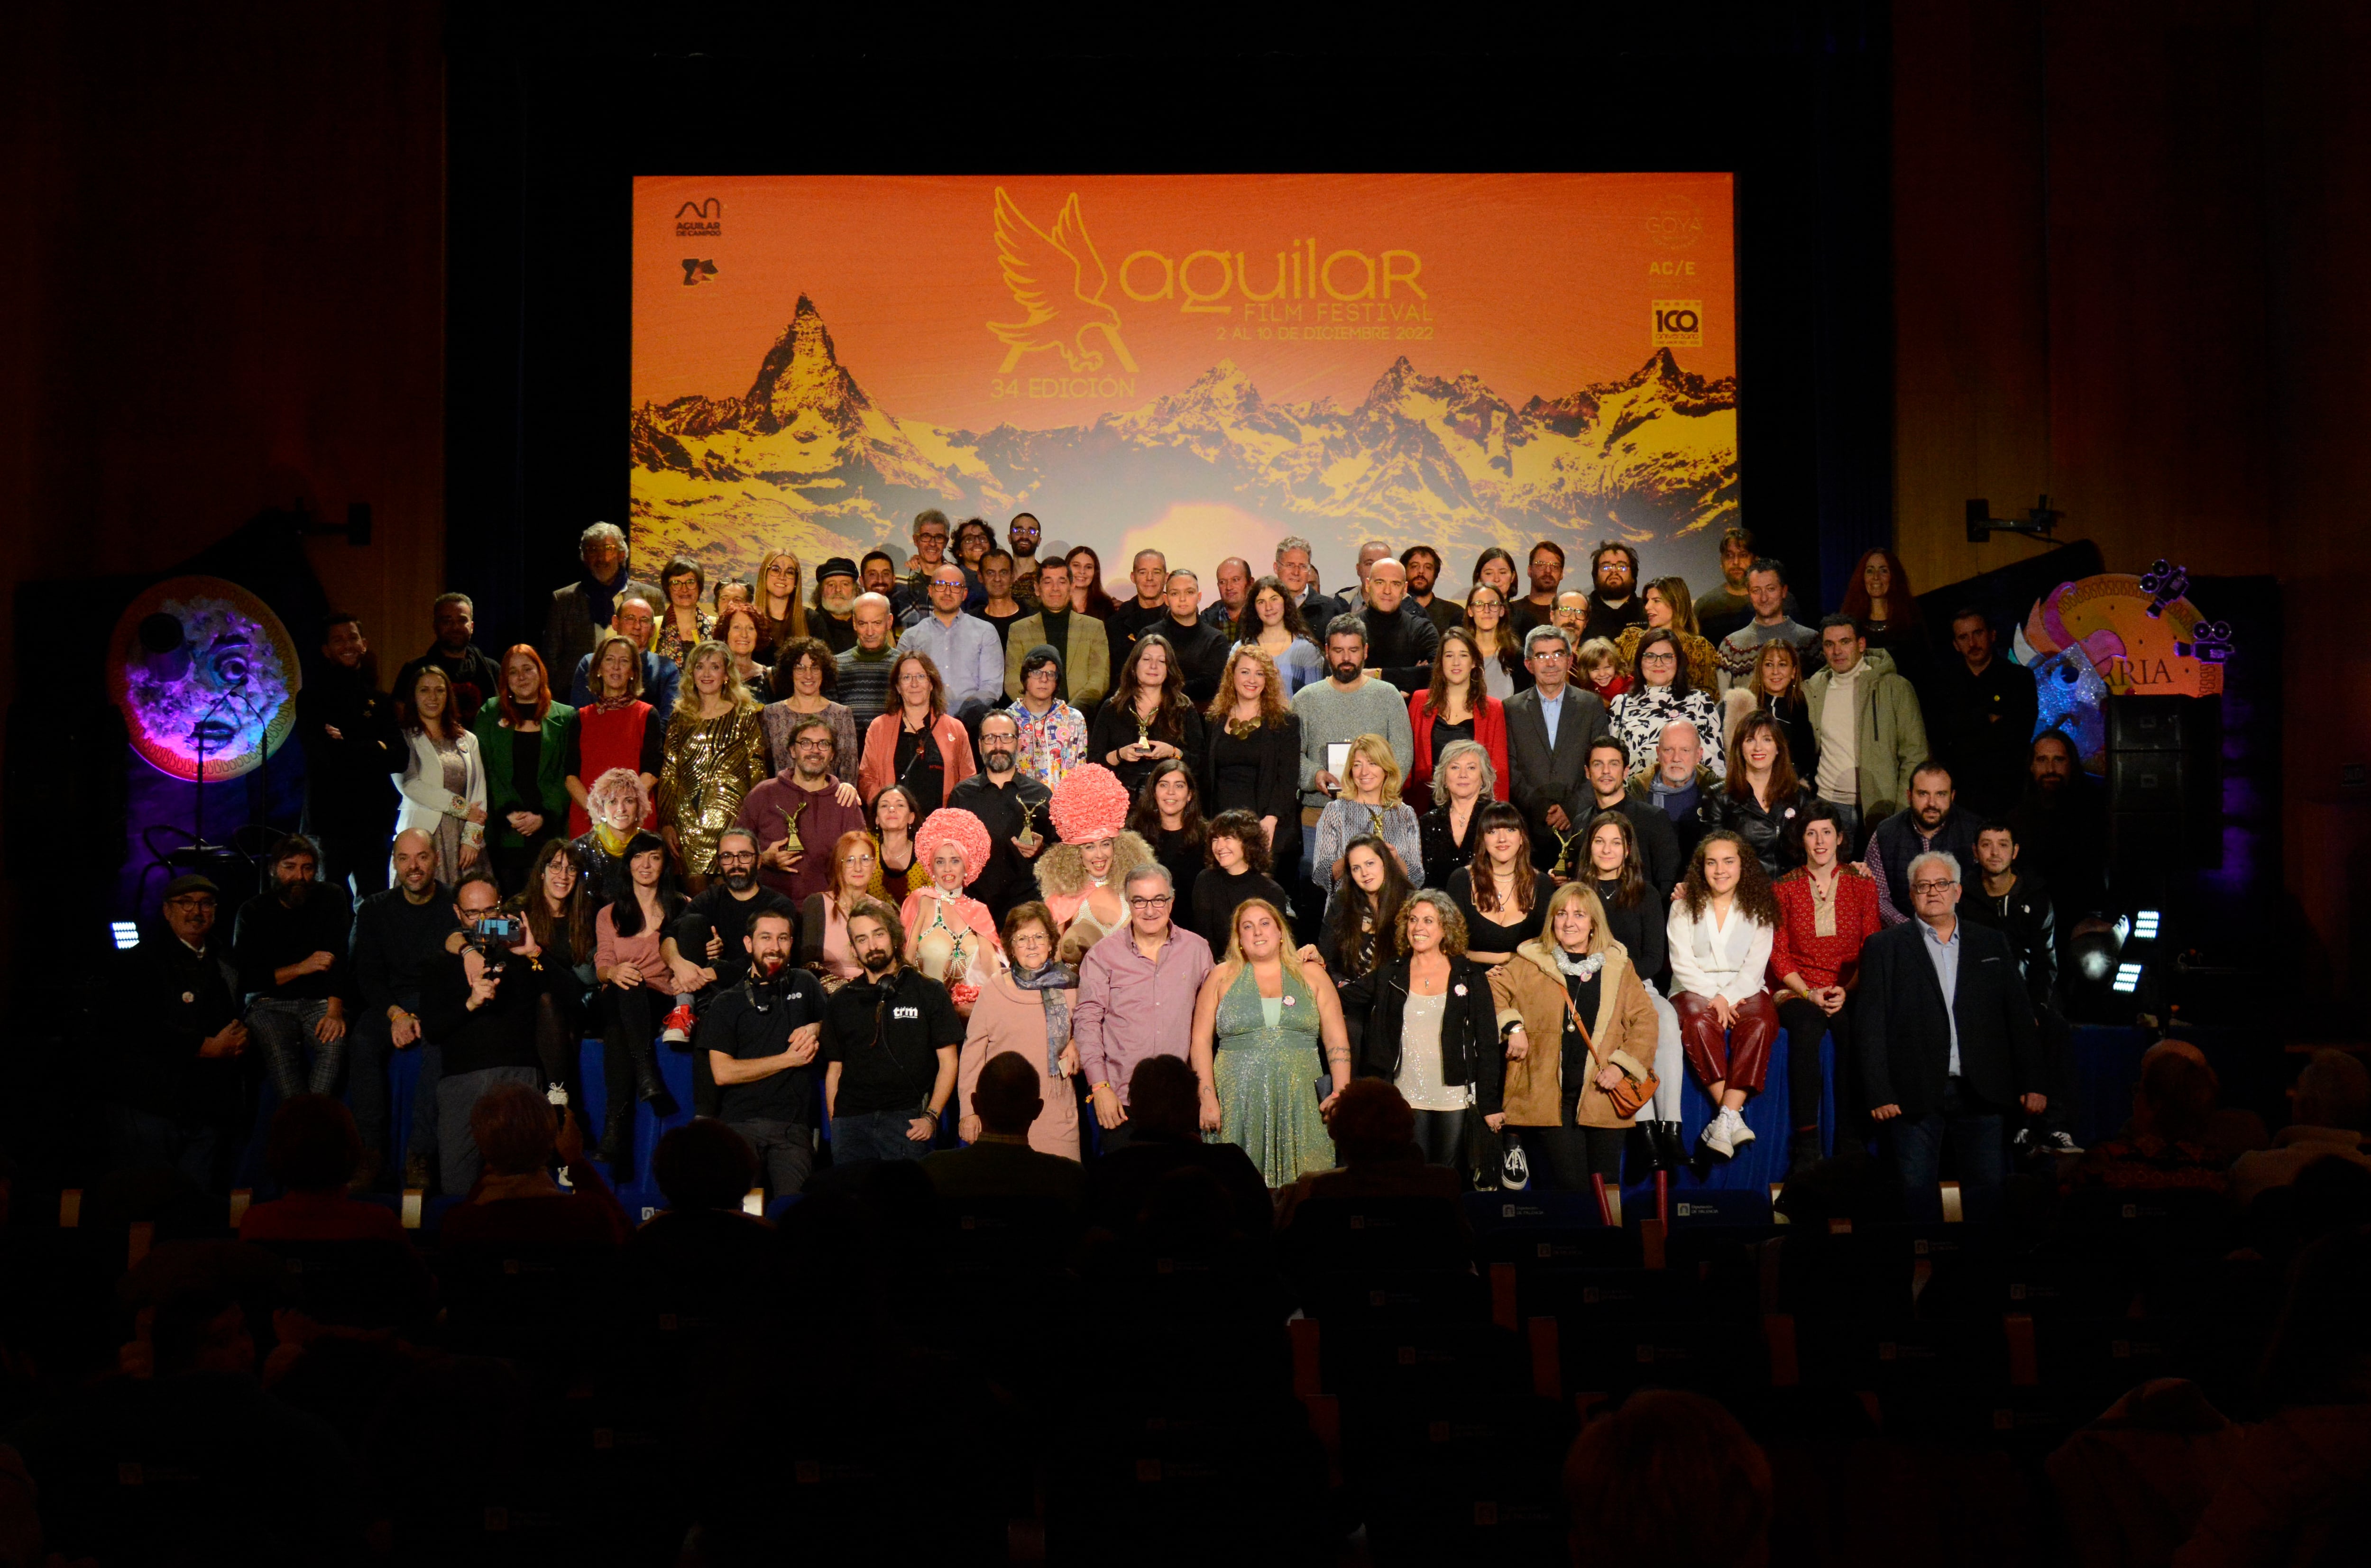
[1678,323]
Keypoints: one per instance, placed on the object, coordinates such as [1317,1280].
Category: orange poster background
[1522,304]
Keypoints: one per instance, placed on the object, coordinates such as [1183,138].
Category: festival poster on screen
[1196,363]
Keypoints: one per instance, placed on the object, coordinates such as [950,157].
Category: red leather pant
[1738,1056]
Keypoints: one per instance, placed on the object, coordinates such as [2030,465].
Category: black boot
[649,1087]
[617,1139]
[1805,1151]
[1666,1149]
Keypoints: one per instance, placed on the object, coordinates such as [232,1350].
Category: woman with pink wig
[948,937]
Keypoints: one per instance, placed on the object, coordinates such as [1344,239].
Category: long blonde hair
[685,717]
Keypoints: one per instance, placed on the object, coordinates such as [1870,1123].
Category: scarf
[613,840]
[1582,968]
[1049,982]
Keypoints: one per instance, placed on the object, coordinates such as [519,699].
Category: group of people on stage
[1531,854]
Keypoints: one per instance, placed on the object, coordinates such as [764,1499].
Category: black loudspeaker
[2165,780]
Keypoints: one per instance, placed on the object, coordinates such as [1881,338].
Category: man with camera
[761,1038]
[478,1003]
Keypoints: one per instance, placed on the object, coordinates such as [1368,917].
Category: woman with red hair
[1879,597]
[523,737]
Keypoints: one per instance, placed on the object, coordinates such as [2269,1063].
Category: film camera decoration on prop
[2117,635]
[206,678]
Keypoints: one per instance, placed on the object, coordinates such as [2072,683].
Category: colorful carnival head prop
[1089,805]
[953,827]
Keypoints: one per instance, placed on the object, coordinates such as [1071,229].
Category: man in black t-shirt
[708,935]
[759,1040]
[890,1041]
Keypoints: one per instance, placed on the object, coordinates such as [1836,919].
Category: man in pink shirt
[1136,998]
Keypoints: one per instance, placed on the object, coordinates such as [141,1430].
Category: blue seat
[638,1195]
[1764,1159]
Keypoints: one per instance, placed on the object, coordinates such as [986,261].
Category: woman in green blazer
[523,737]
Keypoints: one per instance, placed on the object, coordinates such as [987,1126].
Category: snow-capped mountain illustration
[805,459]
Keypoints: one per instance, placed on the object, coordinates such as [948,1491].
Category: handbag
[1631,1095]
[1486,1154]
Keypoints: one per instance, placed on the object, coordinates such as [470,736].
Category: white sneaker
[1717,1136]
[1739,1135]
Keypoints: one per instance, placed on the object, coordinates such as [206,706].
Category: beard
[876,962]
[740,880]
[1346,672]
[769,966]
[837,603]
[1000,761]
[293,894]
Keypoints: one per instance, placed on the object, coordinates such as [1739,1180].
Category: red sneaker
[678,1026]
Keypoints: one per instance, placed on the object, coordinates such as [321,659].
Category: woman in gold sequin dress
[715,754]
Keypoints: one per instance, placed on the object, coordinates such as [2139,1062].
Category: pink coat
[1007,1018]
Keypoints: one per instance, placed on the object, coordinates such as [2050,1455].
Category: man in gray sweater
[1351,701]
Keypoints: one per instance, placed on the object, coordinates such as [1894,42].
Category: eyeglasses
[814,744]
[1932,886]
[1150,905]
[1549,655]
[194,903]
[741,857]
[1664,658]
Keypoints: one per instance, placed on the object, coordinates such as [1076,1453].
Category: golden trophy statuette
[1028,838]
[791,843]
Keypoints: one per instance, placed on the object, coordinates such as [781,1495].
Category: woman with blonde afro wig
[1083,875]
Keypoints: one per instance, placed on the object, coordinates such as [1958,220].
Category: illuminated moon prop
[225,697]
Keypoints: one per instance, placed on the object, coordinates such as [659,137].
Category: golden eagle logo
[1059,281]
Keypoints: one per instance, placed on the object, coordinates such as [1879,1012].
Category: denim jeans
[285,1031]
[1915,1146]
[456,1146]
[875,1135]
[785,1151]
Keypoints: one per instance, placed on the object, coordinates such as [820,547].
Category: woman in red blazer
[1457,707]
[1815,974]
[917,743]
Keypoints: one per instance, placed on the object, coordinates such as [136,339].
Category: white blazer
[426,801]
[1710,960]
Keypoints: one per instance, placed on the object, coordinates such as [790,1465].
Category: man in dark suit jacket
[998,1162]
[1947,1044]
[1547,778]
[580,609]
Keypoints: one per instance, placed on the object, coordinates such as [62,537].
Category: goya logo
[1679,324]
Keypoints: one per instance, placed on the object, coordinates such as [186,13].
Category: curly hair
[1244,829]
[1248,626]
[1453,934]
[1273,709]
[953,825]
[1754,895]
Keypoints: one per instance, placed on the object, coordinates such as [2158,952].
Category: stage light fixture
[2041,522]
[2128,978]
[2145,924]
[126,934]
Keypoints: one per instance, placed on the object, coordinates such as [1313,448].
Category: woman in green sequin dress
[1266,1025]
